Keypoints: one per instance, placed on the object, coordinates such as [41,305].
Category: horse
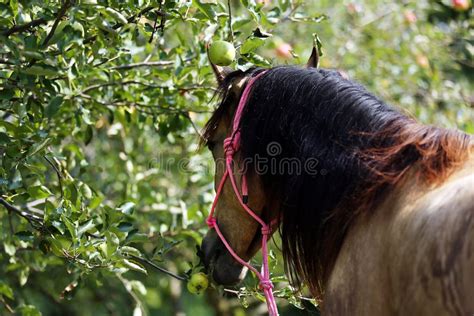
[375,210]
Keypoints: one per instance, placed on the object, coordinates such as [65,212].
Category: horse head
[240,229]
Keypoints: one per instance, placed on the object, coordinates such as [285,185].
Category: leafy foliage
[101,181]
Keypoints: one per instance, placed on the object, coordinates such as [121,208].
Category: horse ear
[313,61]
[219,71]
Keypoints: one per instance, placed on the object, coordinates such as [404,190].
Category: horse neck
[415,232]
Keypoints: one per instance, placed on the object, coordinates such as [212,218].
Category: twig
[294,7]
[162,24]
[31,218]
[58,173]
[140,105]
[95,236]
[6,62]
[24,27]
[237,293]
[129,20]
[240,294]
[106,61]
[8,307]
[171,274]
[231,30]
[154,28]
[164,64]
[186,115]
[62,11]
[122,83]
[10,223]
[128,82]
[377,18]
[128,288]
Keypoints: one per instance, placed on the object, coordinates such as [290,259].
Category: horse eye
[211,145]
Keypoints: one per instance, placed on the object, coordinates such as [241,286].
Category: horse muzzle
[219,263]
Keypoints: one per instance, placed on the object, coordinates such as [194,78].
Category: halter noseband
[231,146]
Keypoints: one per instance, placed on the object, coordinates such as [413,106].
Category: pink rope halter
[231,145]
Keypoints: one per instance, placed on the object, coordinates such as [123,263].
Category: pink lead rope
[231,145]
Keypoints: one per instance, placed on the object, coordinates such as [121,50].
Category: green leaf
[127,208]
[60,243]
[134,266]
[41,70]
[38,147]
[39,192]
[112,243]
[89,133]
[136,238]
[251,45]
[33,55]
[28,310]
[25,235]
[206,9]
[85,227]
[317,43]
[4,138]
[53,106]
[45,246]
[125,226]
[23,277]
[116,15]
[6,94]
[6,290]
[71,226]
[127,250]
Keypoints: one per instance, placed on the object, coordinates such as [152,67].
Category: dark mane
[227,100]
[363,147]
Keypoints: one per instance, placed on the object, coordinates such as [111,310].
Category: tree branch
[164,63]
[62,11]
[188,117]
[8,307]
[152,264]
[134,296]
[231,30]
[141,105]
[129,20]
[6,62]
[31,218]
[24,27]
[154,28]
[162,25]
[148,85]
[58,173]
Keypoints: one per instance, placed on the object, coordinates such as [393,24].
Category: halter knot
[229,146]
[266,284]
[211,222]
[266,230]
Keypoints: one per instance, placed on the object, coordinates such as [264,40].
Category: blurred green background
[100,122]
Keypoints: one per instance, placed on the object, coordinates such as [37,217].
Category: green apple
[198,283]
[221,53]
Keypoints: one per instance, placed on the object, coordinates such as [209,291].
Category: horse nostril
[226,271]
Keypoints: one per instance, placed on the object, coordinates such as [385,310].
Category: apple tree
[102,190]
